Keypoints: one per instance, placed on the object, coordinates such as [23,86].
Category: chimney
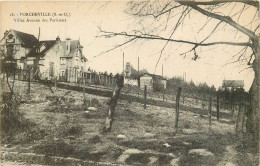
[68,46]
[57,38]
[6,32]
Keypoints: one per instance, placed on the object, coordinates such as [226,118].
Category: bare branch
[155,37]
[176,26]
[226,19]
[117,46]
[254,3]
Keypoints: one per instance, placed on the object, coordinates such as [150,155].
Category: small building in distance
[153,82]
[232,84]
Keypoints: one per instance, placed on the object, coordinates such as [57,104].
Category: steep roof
[28,40]
[73,48]
[47,43]
[155,76]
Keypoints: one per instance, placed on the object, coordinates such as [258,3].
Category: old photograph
[130,82]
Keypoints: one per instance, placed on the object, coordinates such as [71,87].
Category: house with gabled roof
[46,58]
[62,60]
[18,45]
[73,62]
[153,82]
[232,84]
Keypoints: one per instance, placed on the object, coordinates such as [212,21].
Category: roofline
[153,75]
[51,46]
[15,35]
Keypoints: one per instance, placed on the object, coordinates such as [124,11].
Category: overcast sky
[85,17]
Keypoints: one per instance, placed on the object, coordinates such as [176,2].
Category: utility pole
[123,65]
[163,85]
[162,70]
[138,79]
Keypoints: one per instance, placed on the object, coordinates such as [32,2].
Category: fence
[227,99]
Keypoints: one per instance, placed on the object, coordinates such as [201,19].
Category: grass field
[60,126]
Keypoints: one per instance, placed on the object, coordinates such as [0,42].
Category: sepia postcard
[130,82]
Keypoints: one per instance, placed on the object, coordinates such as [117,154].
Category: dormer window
[10,38]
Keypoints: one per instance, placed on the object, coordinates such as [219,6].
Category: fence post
[238,117]
[29,81]
[112,104]
[163,93]
[244,114]
[145,96]
[210,110]
[232,105]
[218,105]
[177,107]
[55,83]
[83,77]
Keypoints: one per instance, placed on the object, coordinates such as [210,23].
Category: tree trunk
[112,104]
[145,96]
[252,123]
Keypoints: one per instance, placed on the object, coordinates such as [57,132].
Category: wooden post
[112,104]
[55,83]
[145,96]
[238,117]
[29,81]
[177,107]
[123,65]
[138,79]
[210,110]
[243,117]
[217,105]
[163,93]
[84,96]
[90,78]
[231,105]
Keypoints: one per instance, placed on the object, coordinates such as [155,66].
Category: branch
[226,19]
[176,26]
[155,37]
[120,45]
[254,3]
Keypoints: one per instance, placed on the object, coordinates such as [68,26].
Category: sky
[85,18]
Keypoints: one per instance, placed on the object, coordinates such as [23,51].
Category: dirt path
[8,163]
[229,158]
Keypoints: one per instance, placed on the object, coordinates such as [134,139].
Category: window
[77,62]
[67,47]
[40,62]
[63,61]
[10,39]
[63,73]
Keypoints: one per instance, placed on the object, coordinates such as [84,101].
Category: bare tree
[221,13]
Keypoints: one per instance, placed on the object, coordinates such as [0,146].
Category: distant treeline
[227,97]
